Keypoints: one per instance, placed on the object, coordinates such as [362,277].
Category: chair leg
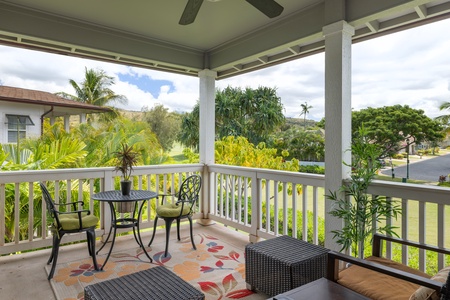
[55,250]
[192,235]
[168,225]
[154,231]
[91,246]
[50,259]
[178,229]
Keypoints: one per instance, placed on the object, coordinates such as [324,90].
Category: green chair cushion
[172,210]
[71,221]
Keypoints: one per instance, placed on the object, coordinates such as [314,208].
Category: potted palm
[126,158]
[355,206]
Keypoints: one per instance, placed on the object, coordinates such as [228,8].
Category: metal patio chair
[181,209]
[69,222]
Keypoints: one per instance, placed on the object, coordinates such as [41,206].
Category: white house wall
[33,111]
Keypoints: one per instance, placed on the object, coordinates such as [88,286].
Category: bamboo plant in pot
[126,159]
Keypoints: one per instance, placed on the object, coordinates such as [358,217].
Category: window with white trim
[17,127]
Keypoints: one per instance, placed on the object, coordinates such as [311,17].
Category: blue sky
[145,83]
[410,67]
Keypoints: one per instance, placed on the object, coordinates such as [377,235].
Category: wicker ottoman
[155,283]
[281,264]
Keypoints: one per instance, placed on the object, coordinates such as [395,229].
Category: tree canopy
[94,89]
[396,127]
[250,113]
[165,124]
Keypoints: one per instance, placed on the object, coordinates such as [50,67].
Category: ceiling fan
[268,7]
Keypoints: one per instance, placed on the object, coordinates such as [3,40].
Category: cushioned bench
[382,279]
[154,283]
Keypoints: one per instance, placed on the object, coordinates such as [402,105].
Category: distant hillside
[300,122]
[132,115]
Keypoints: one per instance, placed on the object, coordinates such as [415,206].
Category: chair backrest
[51,208]
[190,189]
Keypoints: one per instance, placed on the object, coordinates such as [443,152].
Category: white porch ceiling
[228,36]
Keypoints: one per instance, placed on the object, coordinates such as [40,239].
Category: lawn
[177,154]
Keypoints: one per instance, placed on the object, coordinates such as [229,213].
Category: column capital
[338,27]
[207,73]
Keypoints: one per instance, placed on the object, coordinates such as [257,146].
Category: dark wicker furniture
[152,284]
[183,208]
[321,289]
[66,222]
[283,263]
[361,270]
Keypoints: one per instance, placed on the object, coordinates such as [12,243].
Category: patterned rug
[216,268]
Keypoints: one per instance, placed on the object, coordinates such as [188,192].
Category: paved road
[428,169]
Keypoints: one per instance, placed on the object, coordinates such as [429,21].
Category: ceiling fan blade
[268,7]
[190,12]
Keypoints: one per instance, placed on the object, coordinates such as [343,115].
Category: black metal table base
[131,222]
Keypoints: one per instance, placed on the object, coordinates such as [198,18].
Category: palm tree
[305,111]
[95,90]
[444,119]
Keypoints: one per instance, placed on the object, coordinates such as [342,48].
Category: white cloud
[409,67]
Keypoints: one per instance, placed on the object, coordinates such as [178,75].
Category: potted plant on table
[126,159]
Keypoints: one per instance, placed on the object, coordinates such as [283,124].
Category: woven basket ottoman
[152,284]
[283,263]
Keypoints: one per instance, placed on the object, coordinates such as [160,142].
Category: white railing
[251,199]
[425,218]
[21,229]
[261,202]
[265,202]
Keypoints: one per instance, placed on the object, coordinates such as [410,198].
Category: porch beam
[338,40]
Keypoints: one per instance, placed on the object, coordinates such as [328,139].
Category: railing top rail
[84,173]
[283,176]
[411,191]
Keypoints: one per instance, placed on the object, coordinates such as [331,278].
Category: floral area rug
[216,268]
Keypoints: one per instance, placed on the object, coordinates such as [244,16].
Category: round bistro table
[135,197]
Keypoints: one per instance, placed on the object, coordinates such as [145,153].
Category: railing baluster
[17,213]
[275,205]
[285,209]
[422,234]
[294,210]
[405,231]
[315,215]
[304,212]
[30,211]
[2,215]
[441,241]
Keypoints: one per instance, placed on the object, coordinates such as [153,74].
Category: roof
[61,106]
[230,37]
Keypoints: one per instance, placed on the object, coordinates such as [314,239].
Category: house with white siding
[22,112]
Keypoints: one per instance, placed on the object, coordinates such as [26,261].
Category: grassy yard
[177,154]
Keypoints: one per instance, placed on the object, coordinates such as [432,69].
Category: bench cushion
[379,286]
[424,293]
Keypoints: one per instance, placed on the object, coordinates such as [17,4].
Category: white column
[67,123]
[52,121]
[338,110]
[82,118]
[207,132]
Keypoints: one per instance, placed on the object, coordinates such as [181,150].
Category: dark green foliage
[250,113]
[395,127]
[314,169]
[164,124]
[126,159]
